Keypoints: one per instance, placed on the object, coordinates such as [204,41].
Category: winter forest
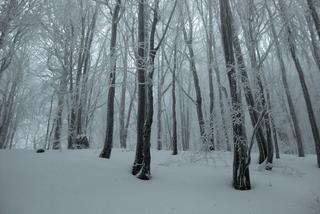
[159,106]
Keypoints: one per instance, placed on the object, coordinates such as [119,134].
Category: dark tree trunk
[241,178]
[269,140]
[106,151]
[210,75]
[140,60]
[145,171]
[273,128]
[174,115]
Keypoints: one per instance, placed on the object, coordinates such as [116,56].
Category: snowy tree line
[203,75]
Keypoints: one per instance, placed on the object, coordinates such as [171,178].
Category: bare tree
[241,177]
[106,152]
[188,37]
[286,86]
[295,58]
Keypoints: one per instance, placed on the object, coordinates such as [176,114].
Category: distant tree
[174,113]
[188,37]
[292,110]
[305,90]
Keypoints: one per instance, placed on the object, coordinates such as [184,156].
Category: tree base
[40,151]
[268,166]
[104,154]
[241,187]
[136,168]
[144,173]
[144,176]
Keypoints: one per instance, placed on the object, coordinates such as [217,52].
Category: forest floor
[76,182]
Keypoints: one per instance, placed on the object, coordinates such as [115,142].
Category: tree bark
[106,151]
[174,114]
[123,143]
[210,75]
[241,178]
[56,144]
[140,61]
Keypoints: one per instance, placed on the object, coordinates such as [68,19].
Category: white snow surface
[76,182]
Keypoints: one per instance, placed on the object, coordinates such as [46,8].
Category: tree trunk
[123,143]
[129,112]
[48,124]
[140,60]
[159,104]
[174,115]
[106,151]
[210,75]
[241,178]
[56,144]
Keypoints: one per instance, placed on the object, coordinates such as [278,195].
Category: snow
[78,182]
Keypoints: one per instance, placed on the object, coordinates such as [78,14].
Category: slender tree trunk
[48,124]
[123,143]
[267,121]
[273,128]
[129,113]
[184,118]
[106,151]
[159,104]
[56,144]
[210,75]
[174,115]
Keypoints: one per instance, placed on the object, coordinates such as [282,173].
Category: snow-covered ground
[76,182]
